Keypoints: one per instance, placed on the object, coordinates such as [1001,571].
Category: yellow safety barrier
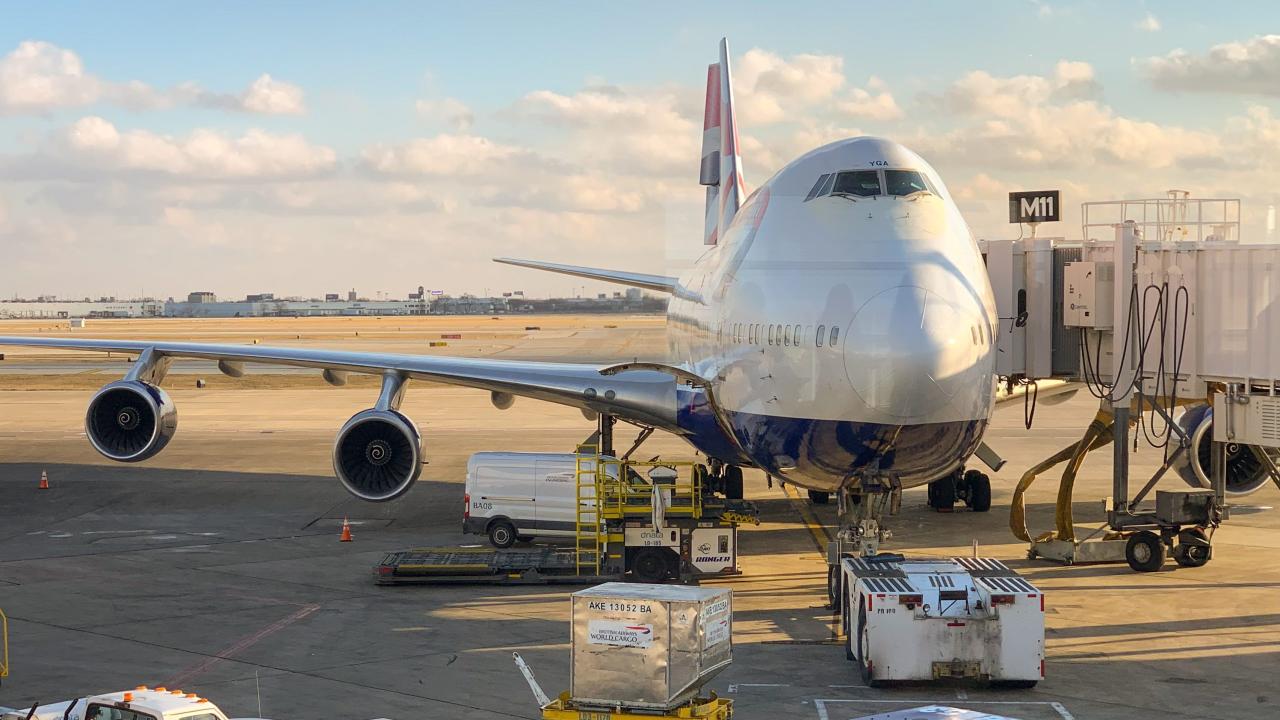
[712,708]
[4,645]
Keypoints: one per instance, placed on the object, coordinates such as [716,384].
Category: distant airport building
[57,309]
[204,304]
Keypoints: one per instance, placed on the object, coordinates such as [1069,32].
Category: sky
[306,147]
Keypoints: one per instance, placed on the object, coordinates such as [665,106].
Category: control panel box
[1087,294]
[1247,419]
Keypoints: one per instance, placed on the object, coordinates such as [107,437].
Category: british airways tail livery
[839,322]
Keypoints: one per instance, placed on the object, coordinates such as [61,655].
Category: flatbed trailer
[482,565]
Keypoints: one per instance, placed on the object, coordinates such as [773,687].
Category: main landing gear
[973,487]
[726,480]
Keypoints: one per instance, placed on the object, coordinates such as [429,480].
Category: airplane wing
[133,419]
[647,397]
[657,283]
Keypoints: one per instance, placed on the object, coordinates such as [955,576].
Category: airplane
[839,325]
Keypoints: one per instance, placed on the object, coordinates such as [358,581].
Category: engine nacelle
[1246,474]
[378,455]
[130,421]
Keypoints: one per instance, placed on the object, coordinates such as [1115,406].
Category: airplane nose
[910,352]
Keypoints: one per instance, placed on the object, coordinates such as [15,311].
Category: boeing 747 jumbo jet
[837,333]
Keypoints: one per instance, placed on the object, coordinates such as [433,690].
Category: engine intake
[378,455]
[1246,474]
[130,421]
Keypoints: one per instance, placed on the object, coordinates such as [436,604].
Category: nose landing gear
[973,487]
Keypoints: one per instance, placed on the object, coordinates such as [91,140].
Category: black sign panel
[1034,206]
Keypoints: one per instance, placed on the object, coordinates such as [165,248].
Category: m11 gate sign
[1035,206]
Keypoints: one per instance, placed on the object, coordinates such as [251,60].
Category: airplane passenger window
[904,182]
[835,335]
[862,183]
[770,334]
[817,337]
[798,334]
[786,335]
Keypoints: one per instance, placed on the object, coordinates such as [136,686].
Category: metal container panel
[647,646]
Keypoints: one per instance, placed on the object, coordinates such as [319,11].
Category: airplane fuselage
[840,332]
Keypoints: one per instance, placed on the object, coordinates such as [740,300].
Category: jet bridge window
[861,183]
[904,182]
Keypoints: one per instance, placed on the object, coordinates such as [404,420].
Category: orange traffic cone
[44,480]
[346,531]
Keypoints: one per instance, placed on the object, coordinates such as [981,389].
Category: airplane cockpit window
[904,182]
[860,183]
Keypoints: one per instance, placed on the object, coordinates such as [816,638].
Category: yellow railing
[4,645]
[611,489]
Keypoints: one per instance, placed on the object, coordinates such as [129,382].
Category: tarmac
[216,566]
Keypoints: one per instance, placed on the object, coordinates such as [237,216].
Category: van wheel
[650,566]
[502,534]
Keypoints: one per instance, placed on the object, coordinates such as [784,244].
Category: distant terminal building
[205,304]
[294,308]
[60,309]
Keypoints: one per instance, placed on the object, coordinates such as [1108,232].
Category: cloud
[273,97]
[633,131]
[38,77]
[861,103]
[452,112]
[1149,23]
[93,145]
[770,89]
[980,93]
[445,155]
[1248,67]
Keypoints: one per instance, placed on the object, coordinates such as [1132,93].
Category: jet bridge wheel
[1193,549]
[1144,551]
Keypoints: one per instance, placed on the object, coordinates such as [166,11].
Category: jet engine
[130,420]
[378,455]
[1245,472]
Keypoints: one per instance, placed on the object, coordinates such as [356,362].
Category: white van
[514,496]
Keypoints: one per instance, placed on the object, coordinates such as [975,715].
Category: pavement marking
[734,688]
[185,677]
[824,714]
[816,529]
[961,694]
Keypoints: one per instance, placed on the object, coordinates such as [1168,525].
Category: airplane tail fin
[721,168]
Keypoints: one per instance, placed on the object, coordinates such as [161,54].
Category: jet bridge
[1170,321]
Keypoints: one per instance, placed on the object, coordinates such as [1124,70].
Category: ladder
[589,532]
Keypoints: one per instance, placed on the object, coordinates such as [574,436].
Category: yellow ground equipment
[1139,535]
[4,646]
[653,521]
